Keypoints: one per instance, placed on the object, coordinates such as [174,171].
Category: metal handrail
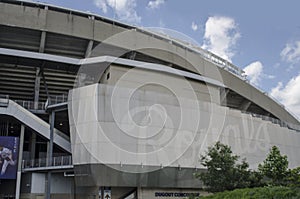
[222,63]
[204,53]
[57,99]
[4,96]
[4,100]
[45,162]
[31,105]
[288,125]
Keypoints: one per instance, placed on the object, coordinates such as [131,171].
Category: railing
[204,53]
[226,65]
[4,100]
[30,105]
[44,162]
[275,121]
[57,99]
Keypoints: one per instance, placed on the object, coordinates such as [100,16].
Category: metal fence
[30,105]
[57,99]
[45,162]
[281,123]
[4,100]
[194,48]
[220,62]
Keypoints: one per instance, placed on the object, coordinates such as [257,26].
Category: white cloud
[124,9]
[289,95]
[220,36]
[101,4]
[254,72]
[194,26]
[271,76]
[155,3]
[291,52]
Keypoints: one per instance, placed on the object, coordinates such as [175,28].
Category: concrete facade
[142,107]
[88,28]
[98,115]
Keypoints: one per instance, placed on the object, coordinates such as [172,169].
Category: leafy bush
[275,167]
[223,171]
[293,178]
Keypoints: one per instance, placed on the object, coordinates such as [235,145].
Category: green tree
[223,172]
[256,179]
[294,177]
[275,167]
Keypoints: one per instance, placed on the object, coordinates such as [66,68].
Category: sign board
[176,194]
[9,151]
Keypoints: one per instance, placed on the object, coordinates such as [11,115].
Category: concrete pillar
[44,80]
[223,96]
[37,84]
[42,42]
[48,191]
[50,143]
[50,154]
[32,145]
[245,105]
[139,193]
[89,48]
[19,172]
[133,55]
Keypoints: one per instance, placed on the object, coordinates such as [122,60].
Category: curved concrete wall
[97,130]
[103,136]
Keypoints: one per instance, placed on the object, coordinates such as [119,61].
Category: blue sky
[262,37]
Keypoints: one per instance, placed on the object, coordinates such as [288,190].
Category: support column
[48,193]
[224,92]
[19,173]
[132,55]
[50,153]
[44,80]
[245,105]
[32,145]
[37,88]
[139,193]
[42,42]
[50,146]
[89,49]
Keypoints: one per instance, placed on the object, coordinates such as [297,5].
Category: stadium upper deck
[51,30]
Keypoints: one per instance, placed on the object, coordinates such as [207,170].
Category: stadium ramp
[13,109]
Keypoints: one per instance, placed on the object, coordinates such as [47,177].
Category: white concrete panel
[61,184]
[38,181]
[177,141]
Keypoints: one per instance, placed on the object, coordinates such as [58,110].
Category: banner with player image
[9,150]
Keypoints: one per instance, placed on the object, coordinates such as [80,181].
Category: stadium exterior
[107,110]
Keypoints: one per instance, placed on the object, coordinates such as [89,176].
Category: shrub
[275,167]
[223,171]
